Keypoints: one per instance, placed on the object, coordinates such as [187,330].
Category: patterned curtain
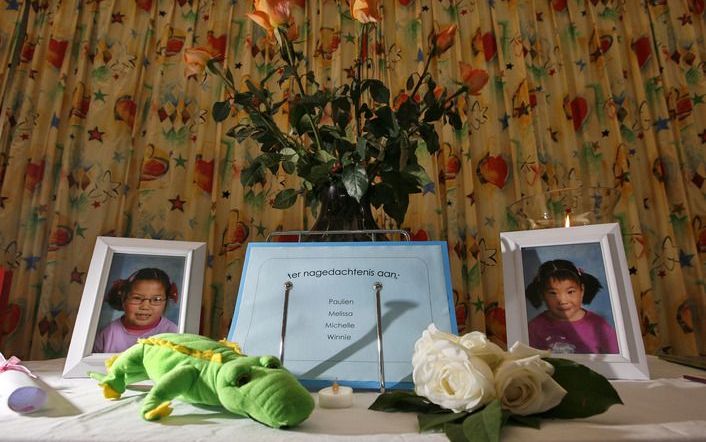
[102,133]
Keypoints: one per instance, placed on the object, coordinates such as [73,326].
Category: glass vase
[340,212]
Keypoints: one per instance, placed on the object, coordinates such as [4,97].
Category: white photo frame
[596,250]
[116,258]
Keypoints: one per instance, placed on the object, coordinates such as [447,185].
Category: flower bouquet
[354,138]
[470,388]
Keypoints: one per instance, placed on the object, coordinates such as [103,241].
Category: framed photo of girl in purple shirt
[567,290]
[135,288]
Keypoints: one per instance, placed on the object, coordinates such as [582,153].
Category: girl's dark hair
[561,270]
[121,288]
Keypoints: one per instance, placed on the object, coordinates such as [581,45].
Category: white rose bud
[444,373]
[479,346]
[525,386]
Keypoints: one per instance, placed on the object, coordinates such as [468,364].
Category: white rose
[479,346]
[525,386]
[444,373]
[520,350]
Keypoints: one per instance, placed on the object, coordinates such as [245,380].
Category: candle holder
[575,206]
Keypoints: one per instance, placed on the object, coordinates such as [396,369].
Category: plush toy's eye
[242,380]
[270,362]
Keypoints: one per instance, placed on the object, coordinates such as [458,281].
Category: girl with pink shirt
[565,326]
[143,296]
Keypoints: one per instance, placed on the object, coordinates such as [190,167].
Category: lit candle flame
[567,221]
[335,387]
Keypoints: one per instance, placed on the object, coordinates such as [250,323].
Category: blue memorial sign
[331,331]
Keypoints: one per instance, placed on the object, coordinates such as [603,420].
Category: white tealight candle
[336,396]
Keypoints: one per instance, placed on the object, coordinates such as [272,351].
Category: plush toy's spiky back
[201,370]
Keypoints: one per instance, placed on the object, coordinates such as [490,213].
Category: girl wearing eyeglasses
[143,296]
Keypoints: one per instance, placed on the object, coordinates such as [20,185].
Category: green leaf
[410,82]
[289,152]
[455,433]
[256,91]
[317,174]
[287,72]
[296,111]
[378,90]
[384,123]
[360,147]
[253,174]
[455,120]
[484,425]
[589,393]
[433,421]
[221,110]
[418,173]
[433,113]
[525,421]
[307,124]
[408,114]
[285,199]
[405,401]
[397,208]
[430,137]
[311,77]
[355,179]
[289,166]
[324,156]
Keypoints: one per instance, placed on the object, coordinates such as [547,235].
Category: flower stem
[357,81]
[460,91]
[291,62]
[421,78]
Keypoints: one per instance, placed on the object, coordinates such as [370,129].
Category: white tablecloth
[665,408]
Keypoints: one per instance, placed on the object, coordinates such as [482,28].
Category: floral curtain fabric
[105,131]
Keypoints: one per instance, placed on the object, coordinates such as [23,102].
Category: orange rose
[442,41]
[365,11]
[196,59]
[473,79]
[271,14]
[292,30]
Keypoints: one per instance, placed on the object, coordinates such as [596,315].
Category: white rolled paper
[21,393]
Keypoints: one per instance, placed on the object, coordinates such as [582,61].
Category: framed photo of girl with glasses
[135,288]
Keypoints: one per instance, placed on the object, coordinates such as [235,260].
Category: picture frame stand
[378,319]
[381,358]
[285,308]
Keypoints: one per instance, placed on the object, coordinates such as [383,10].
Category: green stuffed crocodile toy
[203,371]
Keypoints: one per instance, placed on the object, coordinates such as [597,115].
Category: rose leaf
[405,401]
[285,199]
[525,421]
[589,393]
[455,433]
[435,421]
[484,425]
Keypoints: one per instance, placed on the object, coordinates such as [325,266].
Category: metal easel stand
[288,285]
